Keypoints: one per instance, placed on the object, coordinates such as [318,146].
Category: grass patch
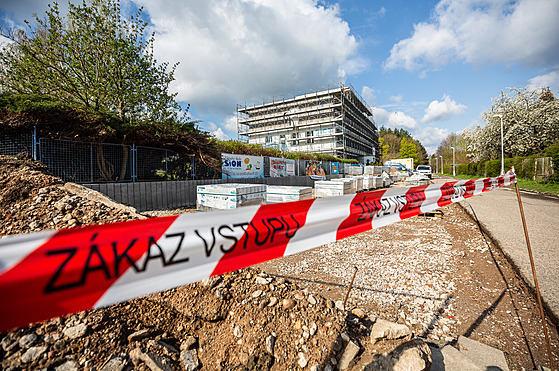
[530,185]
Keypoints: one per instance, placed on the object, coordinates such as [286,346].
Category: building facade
[334,120]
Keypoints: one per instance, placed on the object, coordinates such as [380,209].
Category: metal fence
[84,162]
[12,143]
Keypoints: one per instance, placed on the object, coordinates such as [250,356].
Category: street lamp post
[453,162]
[442,166]
[437,163]
[502,146]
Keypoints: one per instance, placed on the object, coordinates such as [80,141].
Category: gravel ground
[439,276]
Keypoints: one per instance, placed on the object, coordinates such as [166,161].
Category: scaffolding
[332,120]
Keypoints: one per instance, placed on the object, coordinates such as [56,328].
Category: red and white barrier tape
[48,274]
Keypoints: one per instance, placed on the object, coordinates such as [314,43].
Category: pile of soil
[32,200]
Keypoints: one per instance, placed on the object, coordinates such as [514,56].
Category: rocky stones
[303,360]
[288,303]
[114,364]
[26,341]
[349,354]
[68,366]
[33,354]
[263,280]
[189,343]
[311,300]
[189,360]
[340,305]
[383,329]
[153,361]
[412,355]
[238,331]
[484,356]
[256,293]
[313,328]
[270,342]
[139,335]
[358,312]
[75,332]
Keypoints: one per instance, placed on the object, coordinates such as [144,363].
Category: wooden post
[542,314]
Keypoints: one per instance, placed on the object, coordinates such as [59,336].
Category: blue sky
[430,67]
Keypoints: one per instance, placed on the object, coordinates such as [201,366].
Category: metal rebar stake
[542,314]
[350,285]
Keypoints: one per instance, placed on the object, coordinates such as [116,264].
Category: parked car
[425,170]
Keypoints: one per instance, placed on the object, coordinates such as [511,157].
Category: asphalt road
[499,213]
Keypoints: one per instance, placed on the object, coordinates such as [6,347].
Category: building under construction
[333,120]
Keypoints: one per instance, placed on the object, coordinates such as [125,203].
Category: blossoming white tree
[530,125]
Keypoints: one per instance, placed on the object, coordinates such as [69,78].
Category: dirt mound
[31,200]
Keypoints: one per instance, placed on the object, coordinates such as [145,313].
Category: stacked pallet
[354,170]
[328,188]
[276,194]
[369,182]
[358,182]
[229,196]
[351,181]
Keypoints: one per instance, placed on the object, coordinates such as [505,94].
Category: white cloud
[219,134]
[394,119]
[440,111]
[230,123]
[211,126]
[431,137]
[239,51]
[396,98]
[481,32]
[550,79]
[369,95]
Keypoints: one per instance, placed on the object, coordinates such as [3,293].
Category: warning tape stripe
[53,273]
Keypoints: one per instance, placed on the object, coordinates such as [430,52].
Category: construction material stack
[229,196]
[276,194]
[351,181]
[328,188]
[358,182]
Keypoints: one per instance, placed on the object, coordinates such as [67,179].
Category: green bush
[553,152]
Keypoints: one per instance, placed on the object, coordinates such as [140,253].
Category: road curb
[554,317]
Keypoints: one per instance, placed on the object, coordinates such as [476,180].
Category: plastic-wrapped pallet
[328,188]
[276,194]
[352,181]
[358,182]
[374,170]
[368,182]
[229,196]
[356,170]
[377,181]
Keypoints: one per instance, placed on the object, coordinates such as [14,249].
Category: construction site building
[333,120]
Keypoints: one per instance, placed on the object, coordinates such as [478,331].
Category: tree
[530,124]
[459,142]
[407,149]
[94,60]
[384,148]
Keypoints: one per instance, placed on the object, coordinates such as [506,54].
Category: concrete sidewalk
[499,214]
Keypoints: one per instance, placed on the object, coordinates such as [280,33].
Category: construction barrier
[52,273]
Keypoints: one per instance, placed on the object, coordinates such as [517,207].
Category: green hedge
[553,152]
[524,167]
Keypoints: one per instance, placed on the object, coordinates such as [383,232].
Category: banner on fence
[242,166]
[334,168]
[53,273]
[281,167]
